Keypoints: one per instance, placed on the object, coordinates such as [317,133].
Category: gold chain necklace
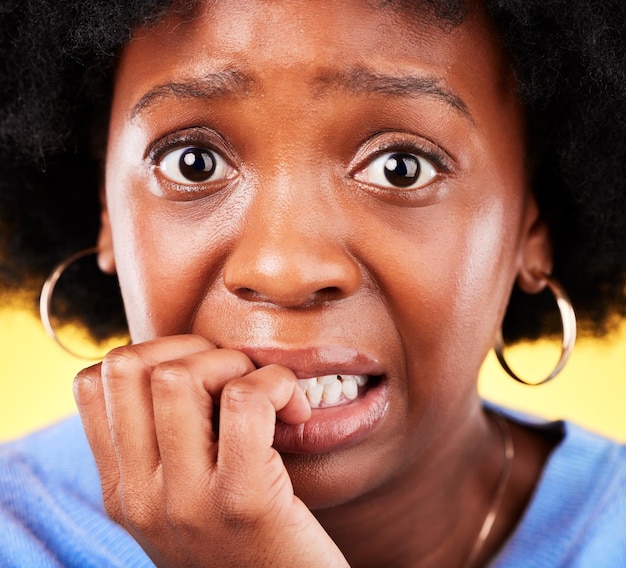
[509,454]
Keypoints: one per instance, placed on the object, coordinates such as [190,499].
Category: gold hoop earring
[568,320]
[45,299]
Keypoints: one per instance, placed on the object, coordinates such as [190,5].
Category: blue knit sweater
[51,511]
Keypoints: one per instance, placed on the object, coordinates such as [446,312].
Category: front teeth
[332,390]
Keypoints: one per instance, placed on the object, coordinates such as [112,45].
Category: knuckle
[170,376]
[132,503]
[202,342]
[184,512]
[240,359]
[114,512]
[122,360]
[247,403]
[237,394]
[234,511]
[238,507]
[86,388]
[139,513]
[179,519]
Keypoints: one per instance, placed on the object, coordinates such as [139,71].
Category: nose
[292,253]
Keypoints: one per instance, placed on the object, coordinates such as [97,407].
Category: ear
[536,252]
[106,257]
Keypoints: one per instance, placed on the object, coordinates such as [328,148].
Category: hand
[187,497]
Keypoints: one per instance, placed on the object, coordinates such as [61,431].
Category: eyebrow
[356,81]
[209,86]
[364,81]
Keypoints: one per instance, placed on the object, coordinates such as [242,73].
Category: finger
[248,411]
[126,375]
[183,393]
[89,397]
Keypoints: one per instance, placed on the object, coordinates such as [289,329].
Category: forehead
[278,38]
[295,55]
[232,20]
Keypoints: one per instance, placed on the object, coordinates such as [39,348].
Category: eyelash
[198,137]
[438,157]
[162,154]
[369,151]
[432,153]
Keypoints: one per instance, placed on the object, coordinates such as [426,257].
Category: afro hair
[57,69]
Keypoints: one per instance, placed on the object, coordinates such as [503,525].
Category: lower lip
[335,428]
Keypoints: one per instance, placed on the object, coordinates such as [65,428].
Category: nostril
[292,298]
[248,294]
[290,275]
[329,293]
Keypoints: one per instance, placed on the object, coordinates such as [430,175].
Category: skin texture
[297,262]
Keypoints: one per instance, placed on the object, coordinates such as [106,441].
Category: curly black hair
[56,72]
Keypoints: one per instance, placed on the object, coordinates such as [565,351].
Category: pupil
[197,165]
[402,170]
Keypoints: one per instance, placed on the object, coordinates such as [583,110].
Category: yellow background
[36,380]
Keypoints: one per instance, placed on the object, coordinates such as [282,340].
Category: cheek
[164,276]
[166,257]
[447,283]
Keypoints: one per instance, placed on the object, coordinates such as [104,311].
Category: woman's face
[338,187]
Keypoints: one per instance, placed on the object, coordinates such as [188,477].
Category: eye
[193,165]
[398,170]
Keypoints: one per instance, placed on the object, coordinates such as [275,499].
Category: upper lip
[316,361]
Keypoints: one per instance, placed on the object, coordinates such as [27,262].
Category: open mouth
[346,408]
[328,391]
